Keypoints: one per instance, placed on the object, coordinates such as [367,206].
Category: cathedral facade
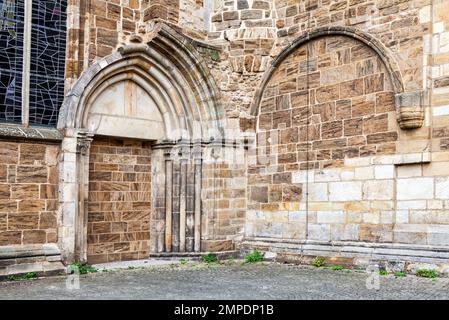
[132,129]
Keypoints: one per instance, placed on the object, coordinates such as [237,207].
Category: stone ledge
[403,159]
[19,132]
[359,251]
[42,259]
[28,251]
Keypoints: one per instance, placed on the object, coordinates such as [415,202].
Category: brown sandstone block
[382,137]
[373,124]
[47,220]
[8,238]
[325,110]
[374,83]
[3,222]
[34,236]
[31,205]
[24,191]
[361,107]
[8,206]
[23,221]
[3,173]
[353,127]
[9,153]
[332,129]
[5,191]
[327,93]
[31,174]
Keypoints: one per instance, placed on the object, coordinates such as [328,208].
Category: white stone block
[364,173]
[378,190]
[297,216]
[418,188]
[386,217]
[330,217]
[357,162]
[348,232]
[328,175]
[418,204]
[320,232]
[442,188]
[410,171]
[384,172]
[402,216]
[424,14]
[345,191]
[440,111]
[303,177]
[318,192]
[435,204]
[371,217]
[354,217]
[347,175]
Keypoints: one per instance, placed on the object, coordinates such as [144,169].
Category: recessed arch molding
[408,104]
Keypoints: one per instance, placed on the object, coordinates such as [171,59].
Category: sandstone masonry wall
[119,201]
[28,193]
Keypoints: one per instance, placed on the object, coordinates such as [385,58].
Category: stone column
[74,181]
[83,151]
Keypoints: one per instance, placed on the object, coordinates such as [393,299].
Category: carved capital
[83,143]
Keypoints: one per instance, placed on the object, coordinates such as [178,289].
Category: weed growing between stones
[83,268]
[426,273]
[28,276]
[336,268]
[319,262]
[210,258]
[400,274]
[383,272]
[254,257]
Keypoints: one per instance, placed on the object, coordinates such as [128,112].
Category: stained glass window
[11,59]
[47,60]
[48,49]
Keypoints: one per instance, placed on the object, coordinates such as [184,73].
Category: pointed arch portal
[158,92]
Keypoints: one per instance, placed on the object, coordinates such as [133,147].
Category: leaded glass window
[42,50]
[11,59]
[47,61]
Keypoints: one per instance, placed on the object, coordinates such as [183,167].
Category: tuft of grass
[427,273]
[336,268]
[400,274]
[254,257]
[27,276]
[184,261]
[210,258]
[83,268]
[319,262]
[383,272]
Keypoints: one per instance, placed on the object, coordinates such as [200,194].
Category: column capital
[84,141]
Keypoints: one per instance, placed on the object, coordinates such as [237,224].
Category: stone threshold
[360,253]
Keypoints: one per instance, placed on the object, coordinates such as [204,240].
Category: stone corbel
[410,106]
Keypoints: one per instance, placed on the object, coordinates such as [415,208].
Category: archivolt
[169,69]
[367,39]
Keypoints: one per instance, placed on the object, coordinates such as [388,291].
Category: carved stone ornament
[410,106]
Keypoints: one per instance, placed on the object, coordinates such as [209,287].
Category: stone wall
[119,201]
[28,193]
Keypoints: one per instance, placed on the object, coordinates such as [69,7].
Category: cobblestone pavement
[263,281]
